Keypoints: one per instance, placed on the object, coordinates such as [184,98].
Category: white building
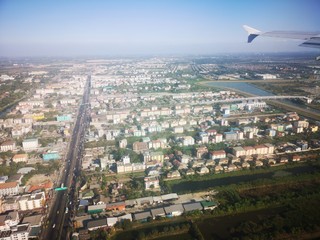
[32,201]
[30,144]
[151,183]
[9,188]
[188,141]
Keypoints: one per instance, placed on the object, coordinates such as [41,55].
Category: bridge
[308,100]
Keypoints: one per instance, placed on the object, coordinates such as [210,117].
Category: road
[61,213]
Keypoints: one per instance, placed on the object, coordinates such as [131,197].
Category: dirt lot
[39,178]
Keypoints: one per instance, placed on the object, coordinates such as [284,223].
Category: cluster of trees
[164,230]
[297,218]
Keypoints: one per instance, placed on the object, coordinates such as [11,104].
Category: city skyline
[35,28]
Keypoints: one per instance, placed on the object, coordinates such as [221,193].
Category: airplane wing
[311,39]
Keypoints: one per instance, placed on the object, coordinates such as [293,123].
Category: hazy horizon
[87,28]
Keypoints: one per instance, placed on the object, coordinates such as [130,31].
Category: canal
[202,185]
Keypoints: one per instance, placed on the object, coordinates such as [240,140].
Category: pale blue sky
[92,27]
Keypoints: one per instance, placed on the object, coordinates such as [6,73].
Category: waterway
[202,185]
[241,86]
[248,88]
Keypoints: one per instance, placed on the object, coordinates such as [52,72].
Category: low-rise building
[20,158]
[30,144]
[174,210]
[9,188]
[32,201]
[8,145]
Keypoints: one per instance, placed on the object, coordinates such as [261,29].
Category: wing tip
[252,33]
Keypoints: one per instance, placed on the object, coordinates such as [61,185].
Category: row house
[188,141]
[20,158]
[20,130]
[151,183]
[32,201]
[150,156]
[218,154]
[9,188]
[8,145]
[140,146]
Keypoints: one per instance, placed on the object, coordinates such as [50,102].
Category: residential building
[32,201]
[238,151]
[194,206]
[123,143]
[20,158]
[151,183]
[218,154]
[8,145]
[9,188]
[158,212]
[188,141]
[51,155]
[140,146]
[174,210]
[30,144]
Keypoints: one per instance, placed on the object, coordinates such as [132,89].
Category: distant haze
[71,28]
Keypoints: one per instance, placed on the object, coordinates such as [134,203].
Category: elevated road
[59,221]
[259,98]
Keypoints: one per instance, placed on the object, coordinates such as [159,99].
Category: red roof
[46,185]
[8,185]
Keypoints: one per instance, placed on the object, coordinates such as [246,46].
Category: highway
[59,221]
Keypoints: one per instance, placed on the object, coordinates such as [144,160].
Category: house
[9,220]
[151,183]
[245,165]
[117,206]
[111,221]
[218,168]
[20,231]
[144,201]
[9,204]
[158,212]
[140,146]
[142,216]
[190,172]
[50,156]
[222,161]
[218,154]
[35,222]
[249,150]
[127,216]
[203,170]
[188,141]
[174,174]
[201,151]
[174,210]
[96,224]
[295,158]
[232,167]
[149,156]
[258,163]
[208,205]
[262,149]
[93,209]
[188,207]
[169,197]
[238,151]
[210,162]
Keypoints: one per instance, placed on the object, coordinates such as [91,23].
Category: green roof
[208,203]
